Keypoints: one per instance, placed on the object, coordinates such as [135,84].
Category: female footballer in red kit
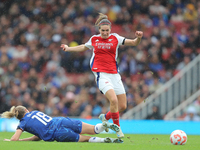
[103,64]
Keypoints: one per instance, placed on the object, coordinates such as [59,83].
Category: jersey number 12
[44,119]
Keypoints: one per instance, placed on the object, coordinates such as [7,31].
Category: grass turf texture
[131,142]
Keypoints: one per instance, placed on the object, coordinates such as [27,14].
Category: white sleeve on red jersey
[89,43]
[119,38]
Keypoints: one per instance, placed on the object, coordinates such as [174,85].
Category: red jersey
[105,52]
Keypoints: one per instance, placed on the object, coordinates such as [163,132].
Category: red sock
[108,115]
[115,118]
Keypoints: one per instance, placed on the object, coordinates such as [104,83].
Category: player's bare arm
[79,48]
[17,135]
[136,41]
[33,138]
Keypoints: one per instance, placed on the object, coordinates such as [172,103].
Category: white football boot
[118,140]
[111,140]
[103,119]
[120,133]
[114,127]
[111,126]
[107,140]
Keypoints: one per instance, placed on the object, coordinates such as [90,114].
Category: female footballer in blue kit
[59,129]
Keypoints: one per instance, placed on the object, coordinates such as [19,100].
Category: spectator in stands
[191,13]
[197,105]
[156,85]
[128,64]
[182,64]
[155,65]
[87,112]
[148,78]
[178,16]
[191,114]
[182,36]
[155,114]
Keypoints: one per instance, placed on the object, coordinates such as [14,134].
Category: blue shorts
[69,130]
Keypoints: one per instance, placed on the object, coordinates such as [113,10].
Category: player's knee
[114,101]
[122,107]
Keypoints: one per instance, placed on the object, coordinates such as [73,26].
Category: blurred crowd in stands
[36,73]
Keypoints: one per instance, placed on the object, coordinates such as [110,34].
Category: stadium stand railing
[184,84]
[179,110]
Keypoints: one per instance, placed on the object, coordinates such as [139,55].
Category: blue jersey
[50,129]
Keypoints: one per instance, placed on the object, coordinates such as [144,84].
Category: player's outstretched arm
[136,41]
[17,135]
[79,48]
[33,138]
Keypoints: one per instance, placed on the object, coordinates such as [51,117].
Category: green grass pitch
[131,142]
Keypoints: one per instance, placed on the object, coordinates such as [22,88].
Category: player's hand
[64,47]
[6,139]
[139,34]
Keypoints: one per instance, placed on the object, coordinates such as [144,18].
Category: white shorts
[107,81]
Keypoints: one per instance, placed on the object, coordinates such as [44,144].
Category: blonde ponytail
[102,17]
[9,114]
[17,112]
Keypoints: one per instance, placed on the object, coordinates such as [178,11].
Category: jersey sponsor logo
[104,45]
[106,82]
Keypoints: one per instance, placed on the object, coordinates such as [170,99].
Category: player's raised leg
[122,105]
[111,96]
